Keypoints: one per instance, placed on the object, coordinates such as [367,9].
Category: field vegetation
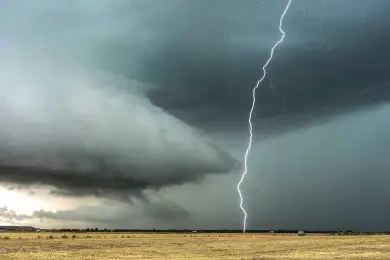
[198,246]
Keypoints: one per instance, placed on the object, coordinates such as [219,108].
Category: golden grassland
[192,246]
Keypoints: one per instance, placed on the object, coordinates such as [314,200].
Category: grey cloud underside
[70,183]
[86,135]
[114,181]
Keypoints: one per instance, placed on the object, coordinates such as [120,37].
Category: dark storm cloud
[345,69]
[206,56]
[84,135]
[69,123]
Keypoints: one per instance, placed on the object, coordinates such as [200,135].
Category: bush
[64,236]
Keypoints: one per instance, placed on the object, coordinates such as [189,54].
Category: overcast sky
[133,114]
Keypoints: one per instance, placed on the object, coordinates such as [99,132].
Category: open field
[192,246]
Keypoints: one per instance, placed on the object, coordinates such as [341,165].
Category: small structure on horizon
[301,233]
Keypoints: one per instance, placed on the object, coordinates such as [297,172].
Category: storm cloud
[113,99]
[206,57]
[87,135]
[69,123]
[331,63]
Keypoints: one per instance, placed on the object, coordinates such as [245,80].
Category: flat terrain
[192,246]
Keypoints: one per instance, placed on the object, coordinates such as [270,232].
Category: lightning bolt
[251,112]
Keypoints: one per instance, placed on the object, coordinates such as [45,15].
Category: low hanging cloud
[164,211]
[85,132]
[114,215]
[10,216]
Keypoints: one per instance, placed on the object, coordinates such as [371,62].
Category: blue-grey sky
[136,112]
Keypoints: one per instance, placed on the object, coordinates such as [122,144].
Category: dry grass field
[192,246]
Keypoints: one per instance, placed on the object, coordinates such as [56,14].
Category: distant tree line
[106,230]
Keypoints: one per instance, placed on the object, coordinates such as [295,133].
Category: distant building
[301,233]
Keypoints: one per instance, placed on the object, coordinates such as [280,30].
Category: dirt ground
[191,246]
